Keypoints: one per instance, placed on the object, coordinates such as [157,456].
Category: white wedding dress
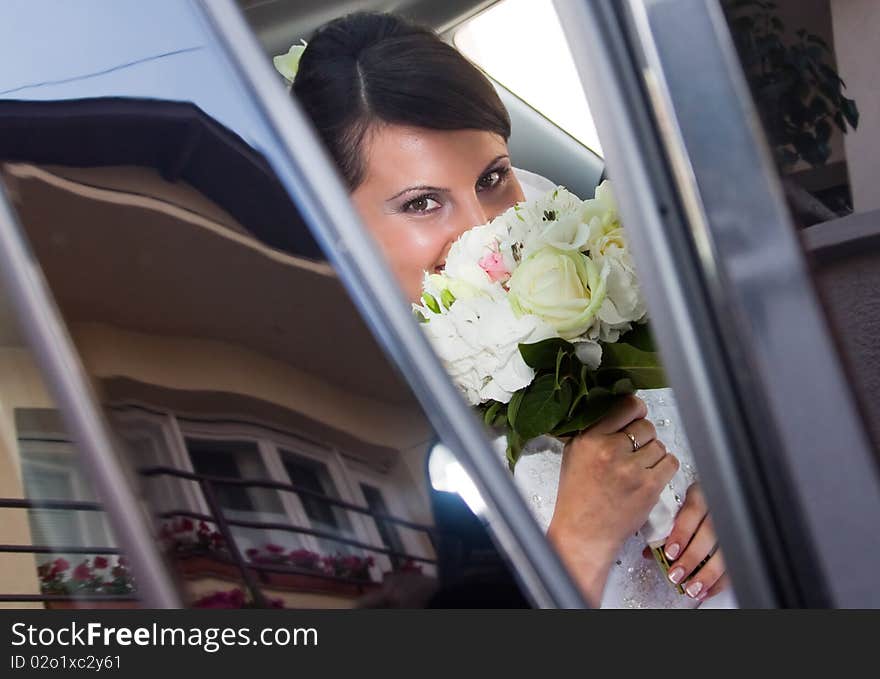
[633,581]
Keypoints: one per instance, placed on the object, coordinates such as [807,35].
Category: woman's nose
[471,213]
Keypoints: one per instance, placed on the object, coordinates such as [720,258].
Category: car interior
[536,143]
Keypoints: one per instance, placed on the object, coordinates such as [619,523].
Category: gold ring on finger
[633,440]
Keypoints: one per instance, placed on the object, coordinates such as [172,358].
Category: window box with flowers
[199,551]
[306,571]
[90,584]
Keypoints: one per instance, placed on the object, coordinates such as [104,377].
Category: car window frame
[785,535]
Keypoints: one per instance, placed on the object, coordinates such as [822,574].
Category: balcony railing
[250,571]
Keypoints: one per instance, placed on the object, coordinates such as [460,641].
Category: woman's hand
[692,541]
[606,491]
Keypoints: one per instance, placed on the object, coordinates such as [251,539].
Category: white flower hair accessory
[288,64]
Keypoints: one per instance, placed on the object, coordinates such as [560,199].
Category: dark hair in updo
[365,69]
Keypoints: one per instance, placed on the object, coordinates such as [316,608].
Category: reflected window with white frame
[241,460]
[242,451]
[51,470]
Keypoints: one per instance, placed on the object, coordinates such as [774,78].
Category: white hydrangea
[477,339]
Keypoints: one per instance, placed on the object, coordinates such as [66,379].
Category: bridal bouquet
[539,319]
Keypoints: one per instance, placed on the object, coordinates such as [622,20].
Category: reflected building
[280,455]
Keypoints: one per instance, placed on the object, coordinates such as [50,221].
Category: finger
[706,576]
[648,456]
[700,547]
[625,410]
[686,523]
[720,585]
[665,469]
[643,431]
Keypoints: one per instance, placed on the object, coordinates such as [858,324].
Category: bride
[420,136]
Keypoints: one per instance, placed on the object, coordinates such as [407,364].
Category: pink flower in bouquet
[59,566]
[101,562]
[274,549]
[494,266]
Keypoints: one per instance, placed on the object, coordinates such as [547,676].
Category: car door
[768,359]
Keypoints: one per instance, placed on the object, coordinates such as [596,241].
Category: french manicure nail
[676,574]
[694,589]
[672,550]
[703,595]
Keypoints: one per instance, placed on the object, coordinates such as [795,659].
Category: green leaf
[583,383]
[513,407]
[447,298]
[621,360]
[592,409]
[431,302]
[559,358]
[850,112]
[640,337]
[543,406]
[514,449]
[491,412]
[543,355]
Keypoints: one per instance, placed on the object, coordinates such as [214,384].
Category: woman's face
[423,188]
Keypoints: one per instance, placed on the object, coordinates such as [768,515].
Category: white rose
[564,288]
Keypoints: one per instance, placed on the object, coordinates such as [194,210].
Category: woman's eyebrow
[433,189]
[437,189]
[493,161]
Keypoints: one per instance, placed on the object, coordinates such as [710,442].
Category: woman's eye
[421,204]
[490,180]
